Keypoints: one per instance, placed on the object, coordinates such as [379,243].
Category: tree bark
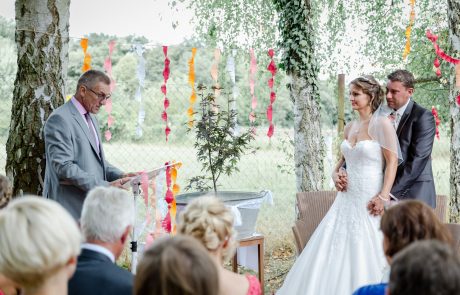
[42,43]
[309,147]
[453,14]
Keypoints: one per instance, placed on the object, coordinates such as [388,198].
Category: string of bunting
[164,115]
[191,82]
[272,69]
[409,29]
[139,50]
[252,82]
[108,103]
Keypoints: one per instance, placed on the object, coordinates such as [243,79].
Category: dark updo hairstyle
[371,87]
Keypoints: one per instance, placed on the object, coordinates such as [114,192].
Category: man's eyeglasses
[100,96]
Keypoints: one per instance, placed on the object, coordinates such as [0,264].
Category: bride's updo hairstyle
[208,220]
[371,87]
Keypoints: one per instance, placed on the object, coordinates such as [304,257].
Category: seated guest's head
[178,266]
[5,191]
[425,267]
[410,221]
[211,223]
[39,245]
[208,220]
[107,217]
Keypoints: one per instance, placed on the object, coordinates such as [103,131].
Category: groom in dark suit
[106,220]
[415,127]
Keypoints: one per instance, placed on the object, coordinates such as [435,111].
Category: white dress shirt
[99,249]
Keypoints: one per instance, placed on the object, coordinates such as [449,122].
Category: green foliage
[218,142]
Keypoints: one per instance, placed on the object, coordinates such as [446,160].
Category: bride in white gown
[345,252]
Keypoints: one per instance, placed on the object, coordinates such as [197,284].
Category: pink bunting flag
[166,71]
[272,69]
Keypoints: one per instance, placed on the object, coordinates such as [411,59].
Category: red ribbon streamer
[440,53]
[437,120]
[166,71]
[169,198]
[272,69]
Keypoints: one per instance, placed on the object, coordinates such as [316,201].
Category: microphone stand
[136,184]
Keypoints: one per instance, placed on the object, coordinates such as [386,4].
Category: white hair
[38,238]
[106,213]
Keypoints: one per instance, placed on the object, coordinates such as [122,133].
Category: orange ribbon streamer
[87,57]
[191,82]
[409,29]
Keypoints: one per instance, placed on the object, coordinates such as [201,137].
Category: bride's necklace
[360,126]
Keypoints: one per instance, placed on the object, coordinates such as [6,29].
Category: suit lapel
[404,117]
[84,127]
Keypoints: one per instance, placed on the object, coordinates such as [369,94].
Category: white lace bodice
[365,164]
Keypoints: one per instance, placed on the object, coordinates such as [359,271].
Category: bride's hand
[340,180]
[376,206]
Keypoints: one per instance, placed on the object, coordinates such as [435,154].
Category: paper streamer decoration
[191,82]
[409,29]
[215,73]
[440,53]
[139,49]
[164,115]
[87,57]
[252,81]
[108,103]
[272,69]
[437,120]
[172,189]
[231,73]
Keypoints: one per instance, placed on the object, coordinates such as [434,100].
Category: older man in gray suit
[75,160]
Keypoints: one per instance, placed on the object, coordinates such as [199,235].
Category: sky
[150,18]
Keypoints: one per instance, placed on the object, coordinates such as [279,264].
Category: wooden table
[258,240]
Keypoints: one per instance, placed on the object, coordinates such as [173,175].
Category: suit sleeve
[419,153]
[60,153]
[112,172]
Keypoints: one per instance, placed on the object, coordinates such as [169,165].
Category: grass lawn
[258,172]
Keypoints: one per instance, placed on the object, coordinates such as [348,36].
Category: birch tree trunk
[42,45]
[453,14]
[309,151]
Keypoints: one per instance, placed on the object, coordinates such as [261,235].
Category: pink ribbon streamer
[272,69]
[166,71]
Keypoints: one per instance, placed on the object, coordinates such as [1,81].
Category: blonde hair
[38,237]
[208,220]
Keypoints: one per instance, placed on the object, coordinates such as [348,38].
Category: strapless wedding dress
[345,252]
